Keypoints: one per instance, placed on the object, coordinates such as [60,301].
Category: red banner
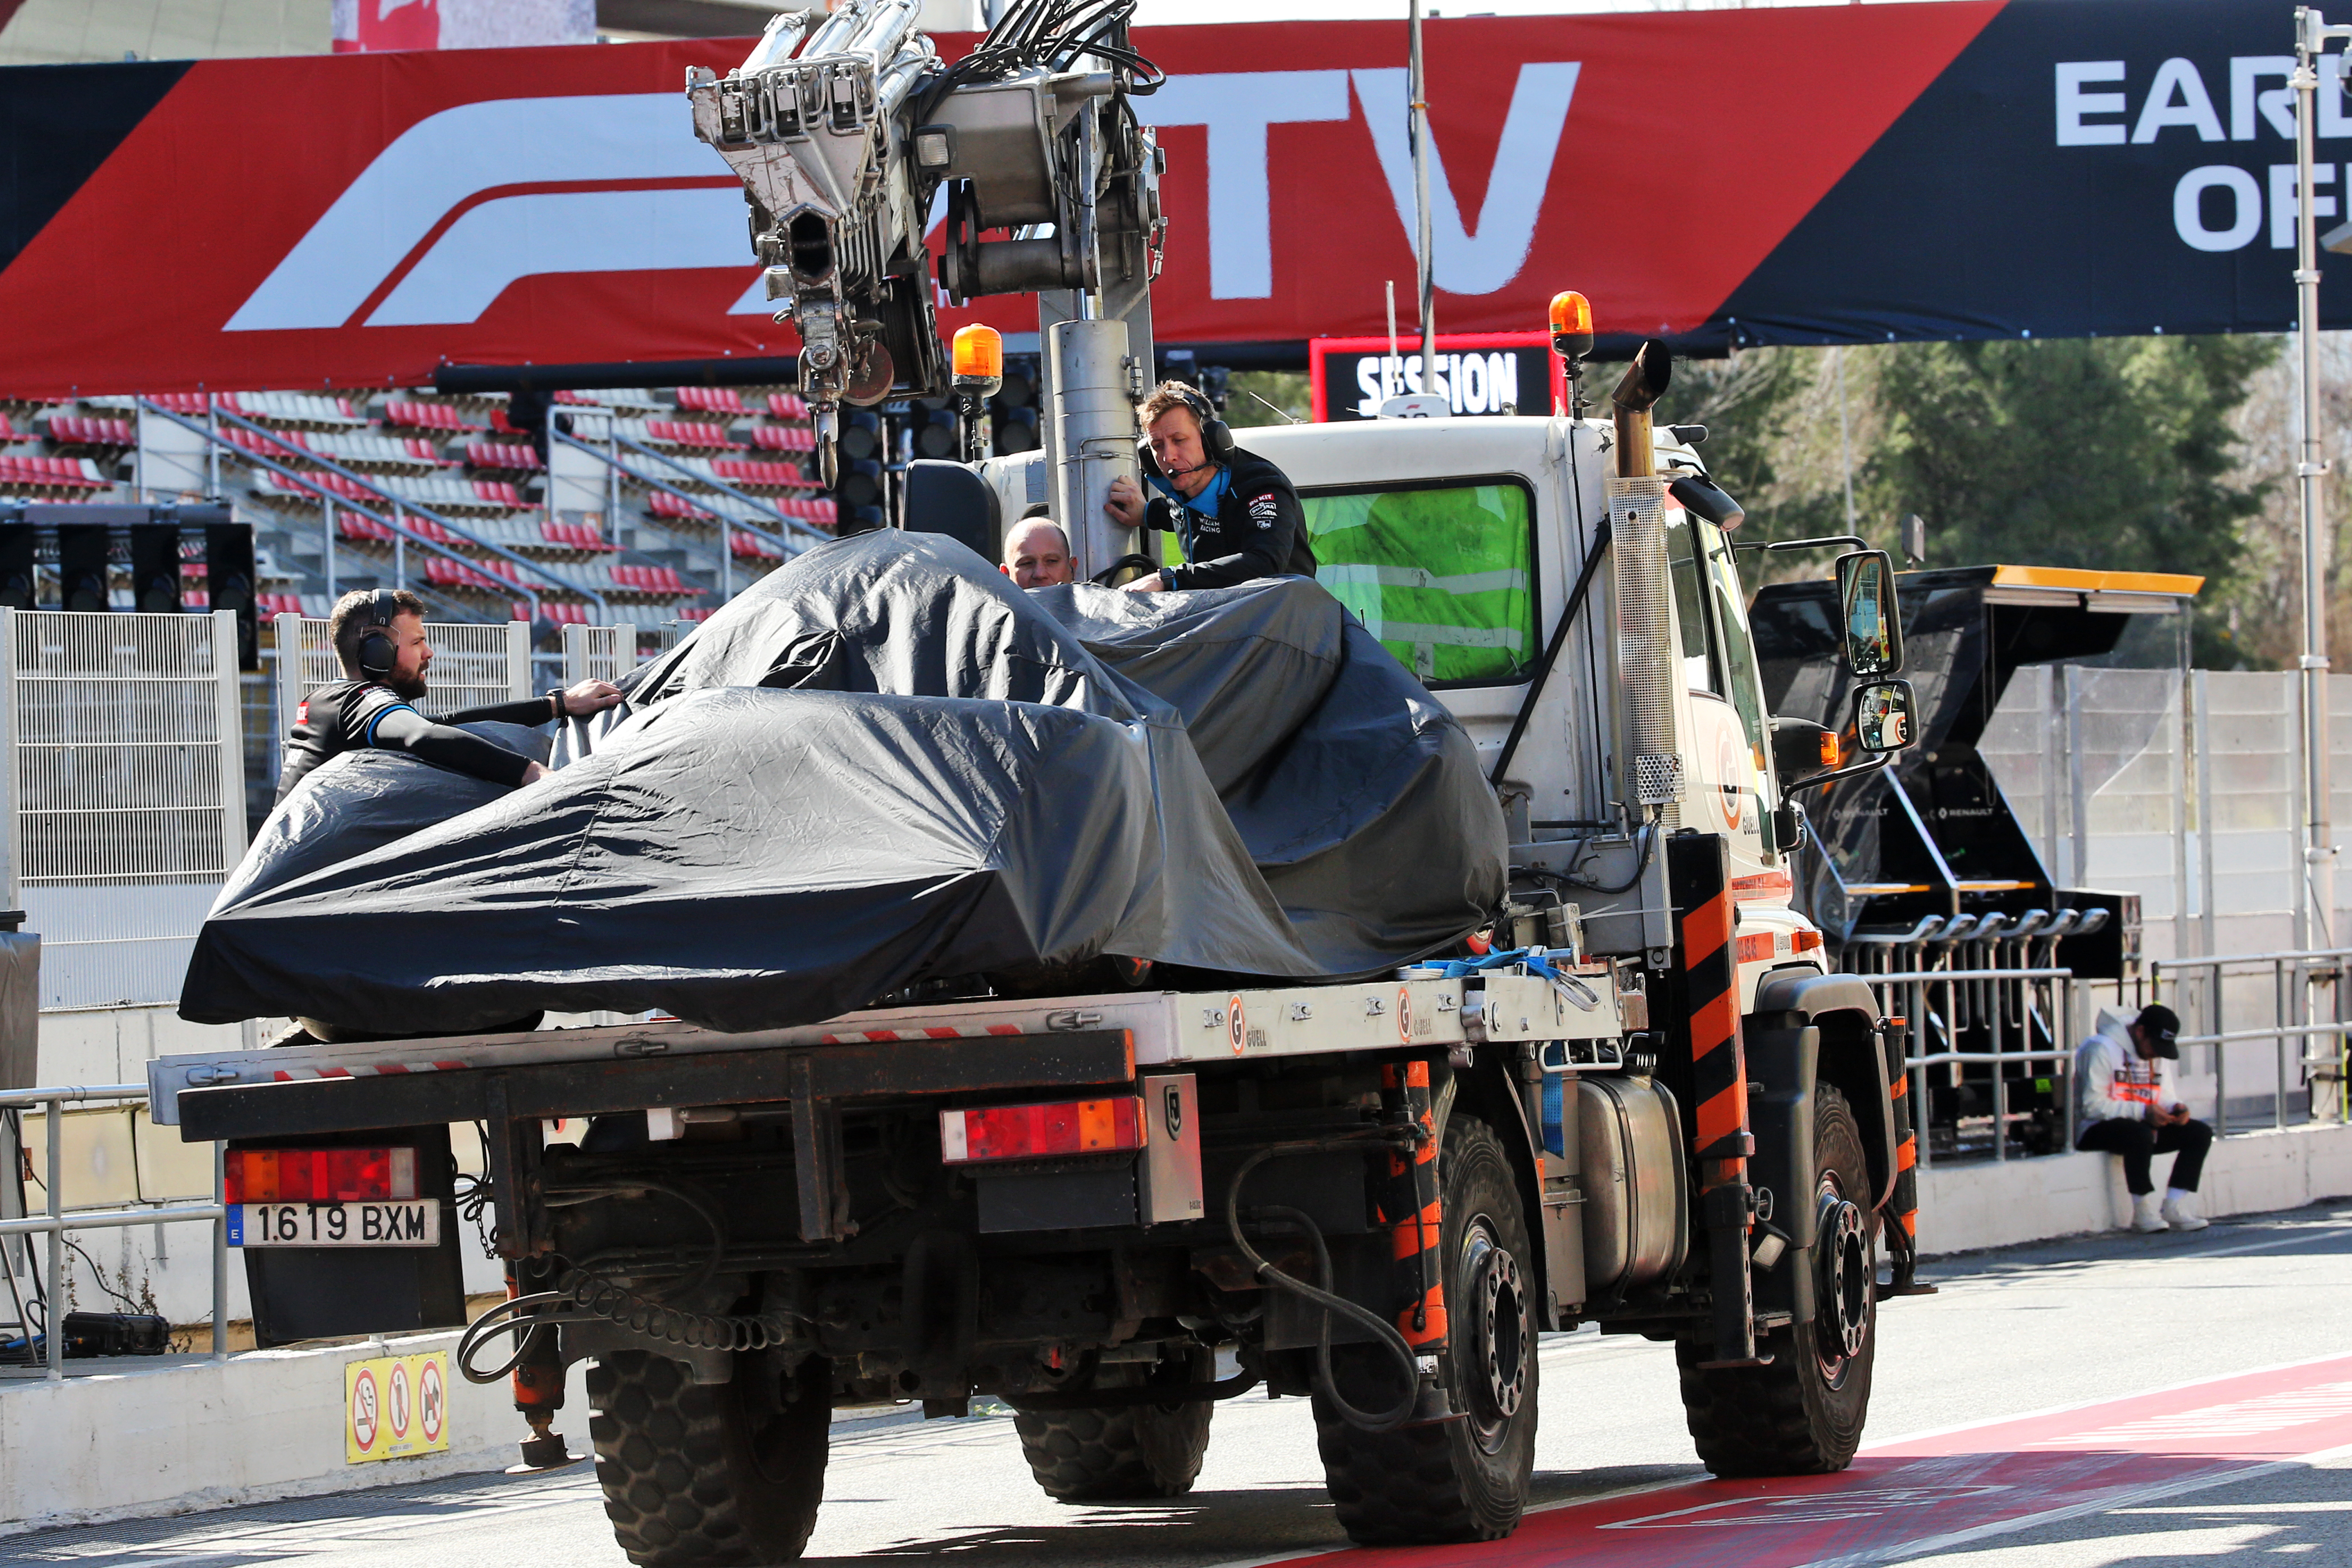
[356,219]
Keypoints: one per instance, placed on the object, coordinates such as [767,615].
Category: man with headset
[379,638]
[1237,514]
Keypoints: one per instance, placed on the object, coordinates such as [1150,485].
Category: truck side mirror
[1867,609]
[1884,717]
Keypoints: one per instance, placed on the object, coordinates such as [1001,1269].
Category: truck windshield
[1442,573]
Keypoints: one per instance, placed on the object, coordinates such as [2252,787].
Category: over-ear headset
[378,650]
[1216,436]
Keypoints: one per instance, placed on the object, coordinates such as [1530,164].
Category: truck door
[1725,736]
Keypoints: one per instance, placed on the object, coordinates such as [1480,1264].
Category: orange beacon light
[1571,324]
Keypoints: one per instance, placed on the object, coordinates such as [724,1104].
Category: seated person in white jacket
[2124,1083]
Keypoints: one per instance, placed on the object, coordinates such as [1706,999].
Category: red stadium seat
[712,400]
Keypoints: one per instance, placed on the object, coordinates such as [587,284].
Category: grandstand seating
[676,434]
[84,431]
[785,438]
[713,400]
[503,457]
[51,478]
[361,454]
[655,563]
[617,399]
[399,415]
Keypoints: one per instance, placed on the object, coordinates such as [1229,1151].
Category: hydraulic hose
[1382,1329]
[585,1298]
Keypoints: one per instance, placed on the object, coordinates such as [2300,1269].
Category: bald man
[1036,554]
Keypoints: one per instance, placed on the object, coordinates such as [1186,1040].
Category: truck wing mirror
[1867,609]
[1884,716]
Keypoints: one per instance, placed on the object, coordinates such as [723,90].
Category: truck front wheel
[1465,1480]
[1803,1414]
[1126,1453]
[698,1475]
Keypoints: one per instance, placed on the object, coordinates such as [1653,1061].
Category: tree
[2113,453]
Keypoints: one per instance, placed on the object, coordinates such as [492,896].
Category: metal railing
[57,1221]
[395,508]
[1991,1017]
[2297,1020]
[609,455]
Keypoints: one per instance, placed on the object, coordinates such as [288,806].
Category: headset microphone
[1216,436]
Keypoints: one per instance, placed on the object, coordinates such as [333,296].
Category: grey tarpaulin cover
[885,764]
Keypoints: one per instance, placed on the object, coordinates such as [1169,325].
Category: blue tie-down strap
[1555,1114]
[1535,963]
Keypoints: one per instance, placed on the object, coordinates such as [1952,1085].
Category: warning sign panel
[397,1406]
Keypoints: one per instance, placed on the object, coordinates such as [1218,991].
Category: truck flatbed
[896,1050]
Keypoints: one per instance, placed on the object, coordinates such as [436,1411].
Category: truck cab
[1458,543]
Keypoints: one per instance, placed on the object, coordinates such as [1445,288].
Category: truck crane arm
[845,133]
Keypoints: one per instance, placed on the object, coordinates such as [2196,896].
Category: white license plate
[398,1224]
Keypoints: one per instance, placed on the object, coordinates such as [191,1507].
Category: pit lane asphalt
[2016,1330]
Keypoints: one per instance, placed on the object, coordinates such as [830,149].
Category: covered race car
[883,767]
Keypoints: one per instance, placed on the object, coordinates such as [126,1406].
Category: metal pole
[220,1253]
[1992,1018]
[2280,1014]
[53,1324]
[1917,1035]
[328,517]
[2054,746]
[2319,889]
[2220,1060]
[2200,737]
[1846,435]
[2178,779]
[2078,798]
[1418,129]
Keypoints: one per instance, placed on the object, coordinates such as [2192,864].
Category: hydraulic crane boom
[846,135]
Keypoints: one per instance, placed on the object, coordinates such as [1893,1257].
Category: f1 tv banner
[1974,168]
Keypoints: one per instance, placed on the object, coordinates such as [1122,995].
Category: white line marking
[2110,1503]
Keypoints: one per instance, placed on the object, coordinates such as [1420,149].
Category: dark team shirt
[349,715]
[1259,530]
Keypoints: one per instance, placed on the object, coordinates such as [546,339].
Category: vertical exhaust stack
[1645,597]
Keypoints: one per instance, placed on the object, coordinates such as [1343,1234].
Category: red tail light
[1041,1131]
[319,1175]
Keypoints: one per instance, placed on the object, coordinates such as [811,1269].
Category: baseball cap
[2159,1027]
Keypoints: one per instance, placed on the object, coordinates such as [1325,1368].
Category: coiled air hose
[1321,1296]
[580,1296]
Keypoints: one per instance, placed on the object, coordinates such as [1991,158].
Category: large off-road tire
[1467,1479]
[696,1474]
[1124,1454]
[1804,1414]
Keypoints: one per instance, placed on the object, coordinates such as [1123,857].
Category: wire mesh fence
[126,777]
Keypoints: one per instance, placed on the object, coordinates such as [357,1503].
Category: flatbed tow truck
[1636,1098]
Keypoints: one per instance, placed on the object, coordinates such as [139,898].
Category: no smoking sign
[396,1407]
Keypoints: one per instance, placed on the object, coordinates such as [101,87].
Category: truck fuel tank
[1629,1140]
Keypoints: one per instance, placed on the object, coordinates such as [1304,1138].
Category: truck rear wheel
[1803,1414]
[1465,1480]
[698,1474]
[1123,1454]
